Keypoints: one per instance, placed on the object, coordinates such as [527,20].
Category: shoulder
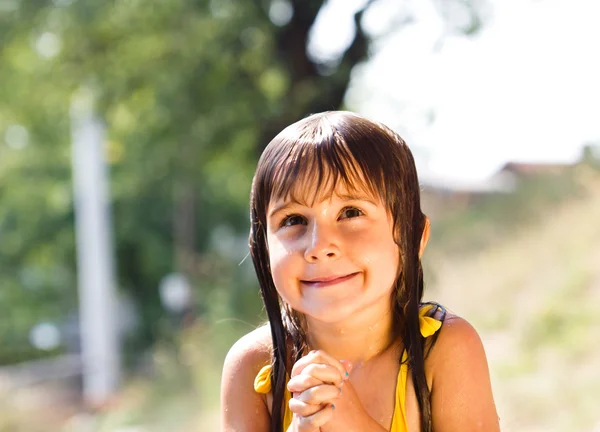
[243,409]
[252,350]
[460,382]
[457,344]
[455,335]
[246,357]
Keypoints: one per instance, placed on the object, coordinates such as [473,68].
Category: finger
[320,394]
[320,418]
[321,357]
[347,365]
[302,382]
[314,375]
[304,409]
[325,373]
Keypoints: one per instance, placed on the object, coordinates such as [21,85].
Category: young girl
[336,238]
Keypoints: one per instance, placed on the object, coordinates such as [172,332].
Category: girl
[336,238]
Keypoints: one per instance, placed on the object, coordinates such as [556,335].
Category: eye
[292,220]
[351,212]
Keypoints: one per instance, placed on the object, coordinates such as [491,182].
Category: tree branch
[310,91]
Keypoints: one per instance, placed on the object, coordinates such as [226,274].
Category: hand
[316,383]
[323,398]
[349,414]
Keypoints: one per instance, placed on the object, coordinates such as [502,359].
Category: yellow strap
[428,327]
[428,324]
[262,384]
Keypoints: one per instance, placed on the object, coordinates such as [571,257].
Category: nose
[322,244]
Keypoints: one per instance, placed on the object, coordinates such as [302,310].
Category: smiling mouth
[329,281]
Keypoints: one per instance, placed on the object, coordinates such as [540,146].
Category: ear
[424,236]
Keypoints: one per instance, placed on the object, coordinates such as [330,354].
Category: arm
[461,396]
[242,409]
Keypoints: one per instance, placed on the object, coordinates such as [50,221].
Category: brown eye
[292,220]
[351,212]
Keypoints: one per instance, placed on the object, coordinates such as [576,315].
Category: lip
[328,281]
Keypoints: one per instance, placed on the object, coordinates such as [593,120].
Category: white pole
[95,270]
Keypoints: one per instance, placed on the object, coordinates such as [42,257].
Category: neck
[359,338]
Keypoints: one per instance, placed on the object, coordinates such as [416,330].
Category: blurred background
[129,132]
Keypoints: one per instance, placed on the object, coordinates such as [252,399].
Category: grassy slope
[533,294]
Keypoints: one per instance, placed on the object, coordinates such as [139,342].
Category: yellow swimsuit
[262,383]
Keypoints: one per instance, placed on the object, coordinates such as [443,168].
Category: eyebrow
[344,197]
[357,197]
[283,206]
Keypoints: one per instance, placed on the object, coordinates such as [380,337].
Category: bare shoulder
[254,347]
[242,409]
[461,391]
[456,336]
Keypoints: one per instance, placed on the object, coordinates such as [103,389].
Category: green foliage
[190,91]
[182,87]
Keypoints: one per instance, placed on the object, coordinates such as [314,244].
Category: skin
[349,326]
[344,234]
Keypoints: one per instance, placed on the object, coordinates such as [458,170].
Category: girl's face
[335,257]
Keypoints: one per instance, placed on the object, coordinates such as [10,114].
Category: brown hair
[332,147]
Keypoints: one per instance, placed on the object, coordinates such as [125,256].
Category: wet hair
[310,157]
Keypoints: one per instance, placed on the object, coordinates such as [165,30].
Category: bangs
[311,172]
[309,159]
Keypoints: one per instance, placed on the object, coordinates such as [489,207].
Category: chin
[330,314]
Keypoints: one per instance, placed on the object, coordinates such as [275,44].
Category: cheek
[377,242]
[280,260]
[382,256]
[386,269]
[387,259]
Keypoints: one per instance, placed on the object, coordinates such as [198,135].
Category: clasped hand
[323,398]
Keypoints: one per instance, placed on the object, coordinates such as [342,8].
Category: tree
[191,91]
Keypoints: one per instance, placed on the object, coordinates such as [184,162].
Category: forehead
[308,170]
[309,189]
